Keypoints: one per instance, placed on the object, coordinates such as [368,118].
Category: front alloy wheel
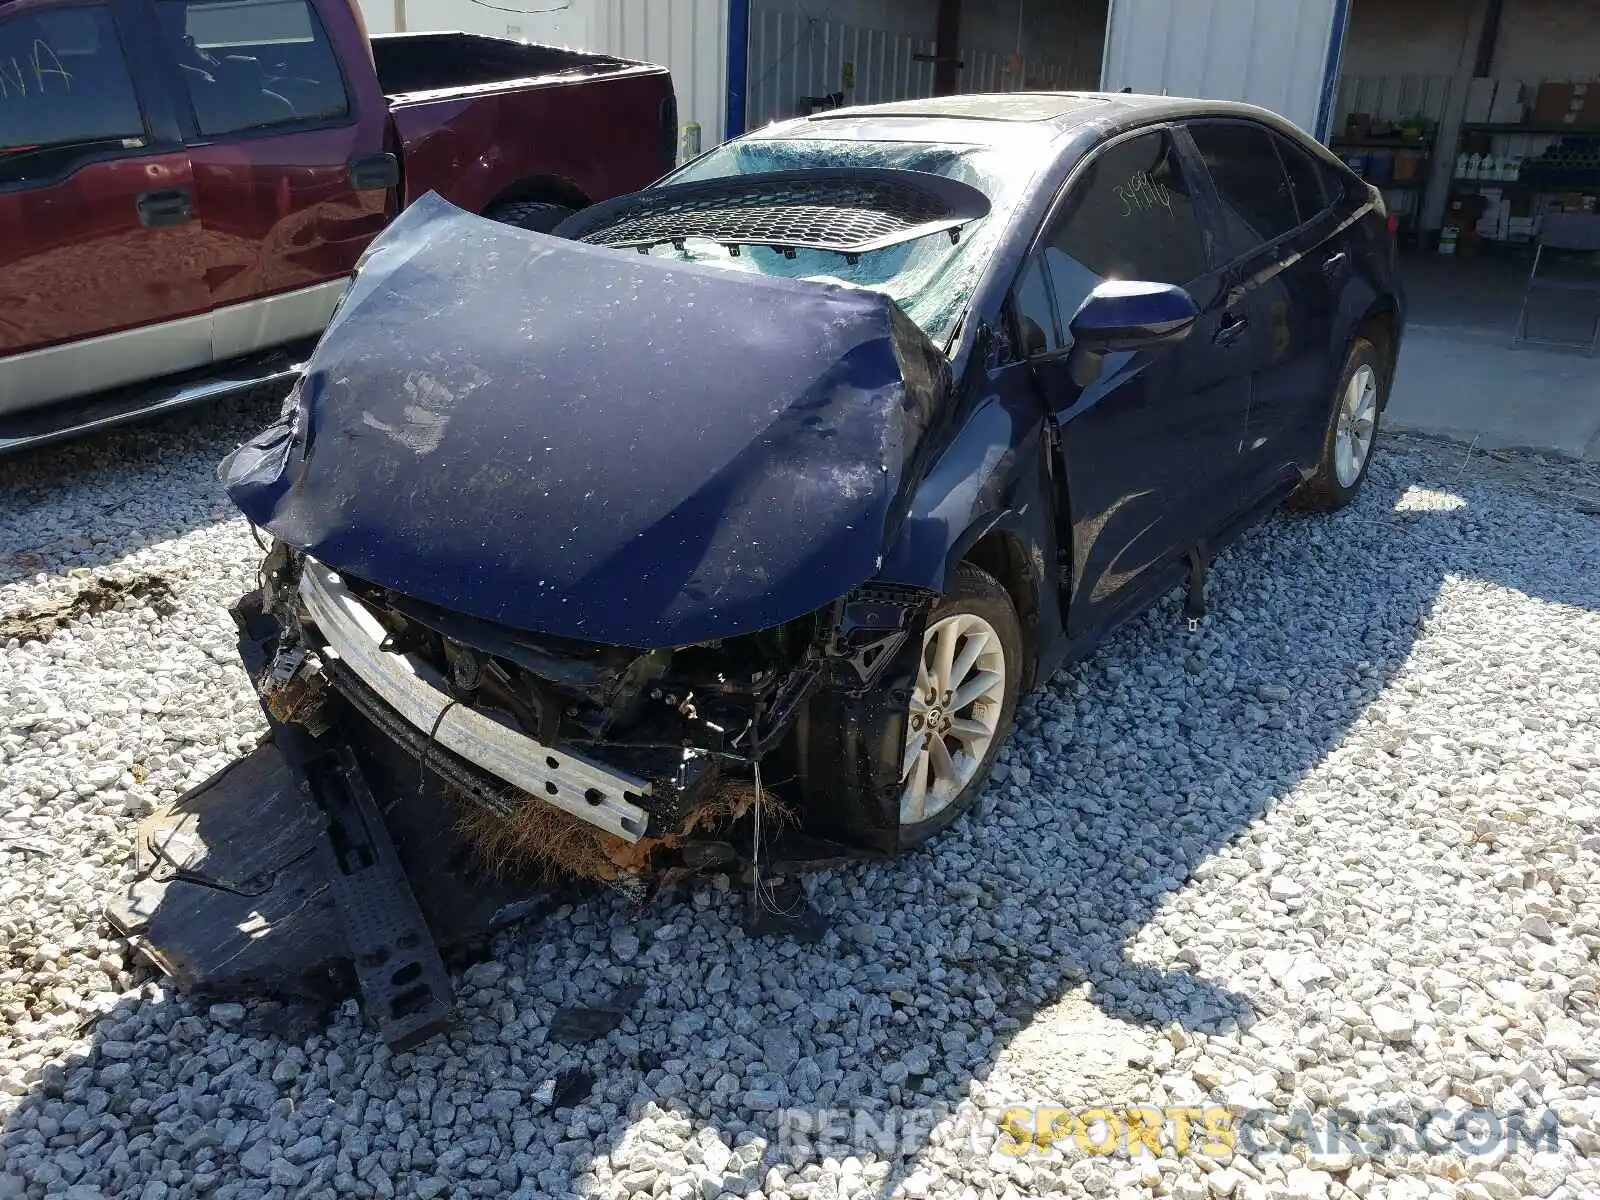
[961,688]
[963,703]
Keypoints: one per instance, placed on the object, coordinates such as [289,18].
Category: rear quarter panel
[1372,284]
[600,135]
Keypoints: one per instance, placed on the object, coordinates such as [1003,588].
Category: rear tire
[535,215]
[1351,435]
[972,635]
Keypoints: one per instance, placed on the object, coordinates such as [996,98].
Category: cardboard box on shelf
[1358,126]
[1480,101]
[1507,106]
[1405,167]
[1557,104]
[1496,215]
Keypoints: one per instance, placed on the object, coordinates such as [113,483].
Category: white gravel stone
[1396,1025]
[1336,847]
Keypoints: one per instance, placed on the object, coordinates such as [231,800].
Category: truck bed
[414,65]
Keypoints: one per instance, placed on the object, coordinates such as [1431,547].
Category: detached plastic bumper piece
[271,879]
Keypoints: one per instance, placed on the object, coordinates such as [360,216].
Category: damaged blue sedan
[725,526]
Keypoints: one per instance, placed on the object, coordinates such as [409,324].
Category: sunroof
[998,106]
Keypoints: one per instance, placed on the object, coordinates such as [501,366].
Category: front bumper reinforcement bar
[586,789]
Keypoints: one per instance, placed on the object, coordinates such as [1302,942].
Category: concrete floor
[1460,376]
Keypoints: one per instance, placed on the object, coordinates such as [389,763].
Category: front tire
[963,705]
[1351,434]
[535,215]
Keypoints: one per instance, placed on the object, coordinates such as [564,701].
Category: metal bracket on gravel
[1194,601]
[402,978]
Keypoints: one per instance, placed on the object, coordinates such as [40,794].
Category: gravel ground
[1336,848]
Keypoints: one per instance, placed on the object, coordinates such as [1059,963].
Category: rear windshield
[929,278]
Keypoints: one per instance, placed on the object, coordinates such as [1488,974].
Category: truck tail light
[669,131]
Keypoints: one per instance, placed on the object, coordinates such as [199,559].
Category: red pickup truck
[187,185]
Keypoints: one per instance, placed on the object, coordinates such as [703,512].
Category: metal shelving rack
[1463,185]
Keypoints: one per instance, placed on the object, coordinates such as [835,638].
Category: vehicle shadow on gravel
[1044,909]
[97,499]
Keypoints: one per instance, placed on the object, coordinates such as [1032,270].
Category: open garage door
[1280,54]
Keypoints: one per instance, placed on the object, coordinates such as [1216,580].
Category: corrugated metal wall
[799,50]
[1267,52]
[793,55]
[1392,97]
[689,37]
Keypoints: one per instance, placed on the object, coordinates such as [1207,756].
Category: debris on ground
[577,1023]
[99,594]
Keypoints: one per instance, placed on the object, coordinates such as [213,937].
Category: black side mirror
[1131,315]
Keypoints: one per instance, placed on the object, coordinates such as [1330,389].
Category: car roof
[1020,119]
[980,106]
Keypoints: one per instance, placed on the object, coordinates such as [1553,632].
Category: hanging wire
[809,32]
[427,747]
[522,12]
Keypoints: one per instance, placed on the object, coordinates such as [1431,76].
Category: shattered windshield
[929,278]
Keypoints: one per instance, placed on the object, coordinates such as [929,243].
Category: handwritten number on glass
[1141,194]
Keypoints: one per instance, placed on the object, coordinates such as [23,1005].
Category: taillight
[669,131]
[1394,224]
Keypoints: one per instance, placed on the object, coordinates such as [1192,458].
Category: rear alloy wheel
[1351,433]
[962,706]
[1355,426]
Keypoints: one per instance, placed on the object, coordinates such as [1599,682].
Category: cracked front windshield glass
[929,278]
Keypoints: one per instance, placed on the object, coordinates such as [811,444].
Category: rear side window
[65,90]
[1130,216]
[1258,204]
[253,64]
[1307,180]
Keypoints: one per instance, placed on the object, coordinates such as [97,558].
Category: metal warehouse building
[1410,90]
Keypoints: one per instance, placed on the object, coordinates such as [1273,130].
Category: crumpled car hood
[594,443]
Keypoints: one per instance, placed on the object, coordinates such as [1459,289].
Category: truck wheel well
[1378,326]
[1001,555]
[546,189]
